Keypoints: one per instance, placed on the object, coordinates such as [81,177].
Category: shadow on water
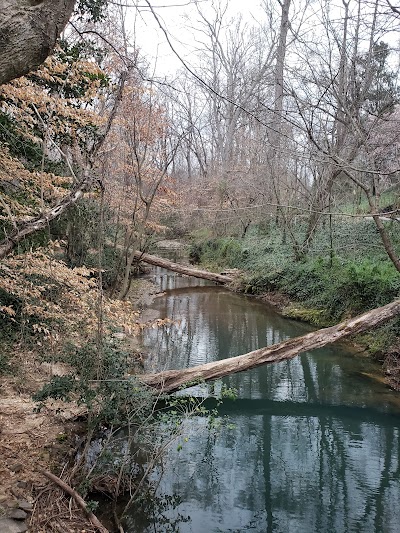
[299,409]
[310,445]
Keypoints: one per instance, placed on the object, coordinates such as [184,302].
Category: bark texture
[28,32]
[181,269]
[172,380]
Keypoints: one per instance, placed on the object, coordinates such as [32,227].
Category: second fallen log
[182,269]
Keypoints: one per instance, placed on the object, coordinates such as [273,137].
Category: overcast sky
[176,17]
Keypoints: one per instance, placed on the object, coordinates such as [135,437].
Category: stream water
[312,445]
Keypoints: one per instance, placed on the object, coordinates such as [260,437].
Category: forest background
[274,149]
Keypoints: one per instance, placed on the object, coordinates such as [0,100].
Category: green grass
[352,277]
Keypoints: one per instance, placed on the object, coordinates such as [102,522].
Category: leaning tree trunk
[24,229]
[28,32]
[30,227]
[172,380]
[181,269]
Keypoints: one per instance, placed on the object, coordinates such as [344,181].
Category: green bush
[338,284]
[304,281]
[366,284]
[260,282]
[223,252]
[98,381]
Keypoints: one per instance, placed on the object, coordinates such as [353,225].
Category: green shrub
[304,281]
[223,252]
[366,284]
[338,284]
[98,381]
[260,282]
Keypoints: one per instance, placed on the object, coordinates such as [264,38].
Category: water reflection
[314,446]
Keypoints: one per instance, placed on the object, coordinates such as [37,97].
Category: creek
[309,445]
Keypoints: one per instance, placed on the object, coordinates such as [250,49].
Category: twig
[8,211]
[79,500]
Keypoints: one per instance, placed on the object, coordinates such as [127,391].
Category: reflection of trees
[297,460]
[330,480]
[308,379]
[379,514]
[267,472]
[290,474]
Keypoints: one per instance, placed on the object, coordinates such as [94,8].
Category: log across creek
[171,380]
[182,269]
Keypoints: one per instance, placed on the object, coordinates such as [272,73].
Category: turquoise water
[311,445]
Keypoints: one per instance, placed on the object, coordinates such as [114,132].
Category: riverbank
[321,290]
[51,398]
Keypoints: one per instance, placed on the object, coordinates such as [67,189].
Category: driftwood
[172,380]
[181,269]
[79,500]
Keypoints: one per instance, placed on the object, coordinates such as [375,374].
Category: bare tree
[346,91]
[222,114]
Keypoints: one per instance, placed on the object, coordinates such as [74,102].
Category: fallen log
[172,380]
[182,269]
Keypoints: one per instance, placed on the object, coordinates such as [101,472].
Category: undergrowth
[344,274]
[98,381]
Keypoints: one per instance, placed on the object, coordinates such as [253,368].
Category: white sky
[175,16]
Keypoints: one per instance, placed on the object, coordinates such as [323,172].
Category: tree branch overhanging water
[171,380]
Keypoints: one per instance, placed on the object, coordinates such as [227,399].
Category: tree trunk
[41,222]
[278,168]
[181,269]
[172,380]
[28,32]
[25,229]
